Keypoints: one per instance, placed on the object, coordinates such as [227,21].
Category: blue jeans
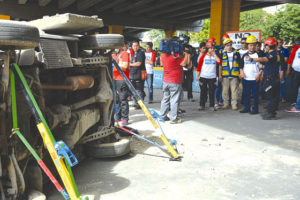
[248,87]
[297,106]
[282,89]
[219,93]
[150,86]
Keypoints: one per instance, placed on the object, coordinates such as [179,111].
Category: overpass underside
[133,16]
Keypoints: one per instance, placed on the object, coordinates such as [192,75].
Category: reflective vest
[226,71]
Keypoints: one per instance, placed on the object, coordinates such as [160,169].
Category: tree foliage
[203,35]
[156,36]
[284,24]
[254,20]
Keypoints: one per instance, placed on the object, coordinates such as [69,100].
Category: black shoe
[244,111]
[137,107]
[180,111]
[253,112]
[176,121]
[166,118]
[269,117]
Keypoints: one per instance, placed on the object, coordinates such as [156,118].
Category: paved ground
[226,155]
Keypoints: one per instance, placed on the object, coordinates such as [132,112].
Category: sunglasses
[243,42]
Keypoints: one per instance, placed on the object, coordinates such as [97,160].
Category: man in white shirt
[150,60]
[251,76]
[244,48]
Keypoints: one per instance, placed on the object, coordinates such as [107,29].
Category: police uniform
[271,83]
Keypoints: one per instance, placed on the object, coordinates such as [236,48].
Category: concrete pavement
[226,155]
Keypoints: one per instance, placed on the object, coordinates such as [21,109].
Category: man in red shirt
[294,65]
[172,84]
[123,59]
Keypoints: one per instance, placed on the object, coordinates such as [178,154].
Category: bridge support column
[6,17]
[224,16]
[169,33]
[115,29]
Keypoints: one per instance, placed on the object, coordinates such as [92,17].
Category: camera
[175,45]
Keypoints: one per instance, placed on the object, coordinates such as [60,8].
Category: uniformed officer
[271,80]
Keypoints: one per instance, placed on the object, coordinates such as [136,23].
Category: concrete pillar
[169,33]
[224,16]
[5,17]
[115,29]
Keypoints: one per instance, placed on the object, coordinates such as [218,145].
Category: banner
[236,37]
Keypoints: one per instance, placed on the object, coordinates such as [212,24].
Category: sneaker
[224,107]
[283,100]
[180,111]
[221,104]
[294,110]
[137,107]
[166,118]
[212,109]
[244,111]
[201,108]
[253,112]
[176,121]
[293,104]
[234,108]
[129,98]
[217,106]
[269,117]
[191,100]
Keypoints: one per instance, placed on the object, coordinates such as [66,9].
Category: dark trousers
[139,87]
[272,90]
[251,88]
[188,83]
[207,86]
[122,100]
[219,93]
[295,85]
[150,86]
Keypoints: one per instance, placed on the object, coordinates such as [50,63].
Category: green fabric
[13,99]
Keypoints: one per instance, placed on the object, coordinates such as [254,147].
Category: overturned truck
[68,69]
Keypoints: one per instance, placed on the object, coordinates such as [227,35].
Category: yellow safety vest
[235,71]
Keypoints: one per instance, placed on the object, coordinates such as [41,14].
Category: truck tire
[17,35]
[101,41]
[108,150]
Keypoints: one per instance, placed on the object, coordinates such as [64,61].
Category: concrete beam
[277,1]
[179,8]
[103,7]
[157,6]
[140,3]
[62,4]
[195,16]
[44,2]
[22,1]
[189,11]
[26,12]
[86,4]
